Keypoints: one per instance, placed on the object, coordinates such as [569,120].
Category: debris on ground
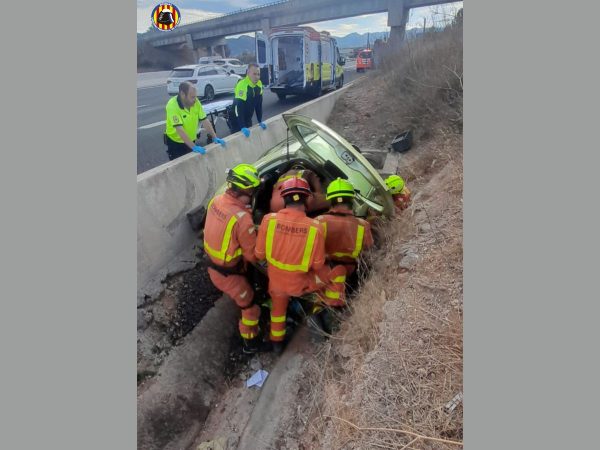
[257,379]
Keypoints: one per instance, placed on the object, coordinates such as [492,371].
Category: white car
[208,59]
[232,65]
[209,80]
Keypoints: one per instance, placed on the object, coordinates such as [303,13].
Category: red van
[364,60]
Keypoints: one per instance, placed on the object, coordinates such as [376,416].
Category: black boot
[327,320]
[277,347]
[251,346]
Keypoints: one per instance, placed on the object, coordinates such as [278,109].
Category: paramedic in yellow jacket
[248,100]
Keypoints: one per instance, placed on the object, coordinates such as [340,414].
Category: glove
[199,149]
[246,132]
[219,141]
[263,125]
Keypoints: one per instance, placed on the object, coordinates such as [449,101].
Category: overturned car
[316,147]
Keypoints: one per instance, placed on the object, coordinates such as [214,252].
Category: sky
[195,10]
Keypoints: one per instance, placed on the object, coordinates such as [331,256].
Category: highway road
[151,100]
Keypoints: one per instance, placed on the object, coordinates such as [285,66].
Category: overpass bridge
[211,33]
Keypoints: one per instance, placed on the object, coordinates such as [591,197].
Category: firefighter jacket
[315,202]
[229,233]
[345,235]
[402,199]
[293,245]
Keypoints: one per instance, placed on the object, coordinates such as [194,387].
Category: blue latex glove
[199,149]
[219,141]
[246,132]
[263,125]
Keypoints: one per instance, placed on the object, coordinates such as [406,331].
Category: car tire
[209,93]
[281,96]
[341,82]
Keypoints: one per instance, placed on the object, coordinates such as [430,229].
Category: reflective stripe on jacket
[346,236]
[229,231]
[293,245]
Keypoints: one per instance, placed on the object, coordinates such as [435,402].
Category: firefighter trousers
[326,279]
[334,293]
[237,287]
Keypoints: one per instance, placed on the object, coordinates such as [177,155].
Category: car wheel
[209,93]
[281,96]
[340,83]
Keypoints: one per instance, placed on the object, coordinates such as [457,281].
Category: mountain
[358,40]
[241,44]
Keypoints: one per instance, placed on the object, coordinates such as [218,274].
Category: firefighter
[294,248]
[229,241]
[248,100]
[317,201]
[399,191]
[346,236]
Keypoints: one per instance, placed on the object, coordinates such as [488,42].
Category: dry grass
[424,81]
[418,88]
[385,377]
[383,380]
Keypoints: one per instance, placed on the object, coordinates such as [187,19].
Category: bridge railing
[238,11]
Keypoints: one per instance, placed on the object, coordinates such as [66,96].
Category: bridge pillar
[265,25]
[189,43]
[397,18]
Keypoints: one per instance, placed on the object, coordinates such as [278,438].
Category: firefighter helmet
[297,186]
[244,176]
[165,17]
[340,188]
[395,183]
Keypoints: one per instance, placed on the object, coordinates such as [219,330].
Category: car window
[219,61]
[235,62]
[210,72]
[182,73]
[221,71]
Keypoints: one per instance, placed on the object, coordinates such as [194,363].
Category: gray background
[68,241]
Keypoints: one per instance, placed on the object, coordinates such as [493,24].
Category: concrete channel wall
[168,192]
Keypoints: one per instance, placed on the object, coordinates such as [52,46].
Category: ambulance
[299,61]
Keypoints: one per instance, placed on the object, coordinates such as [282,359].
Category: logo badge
[165,16]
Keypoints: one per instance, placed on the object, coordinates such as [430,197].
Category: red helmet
[295,185]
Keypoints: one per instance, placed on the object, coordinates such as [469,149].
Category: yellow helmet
[395,183]
[340,188]
[244,176]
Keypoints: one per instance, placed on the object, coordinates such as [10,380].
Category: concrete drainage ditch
[173,405]
[164,321]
